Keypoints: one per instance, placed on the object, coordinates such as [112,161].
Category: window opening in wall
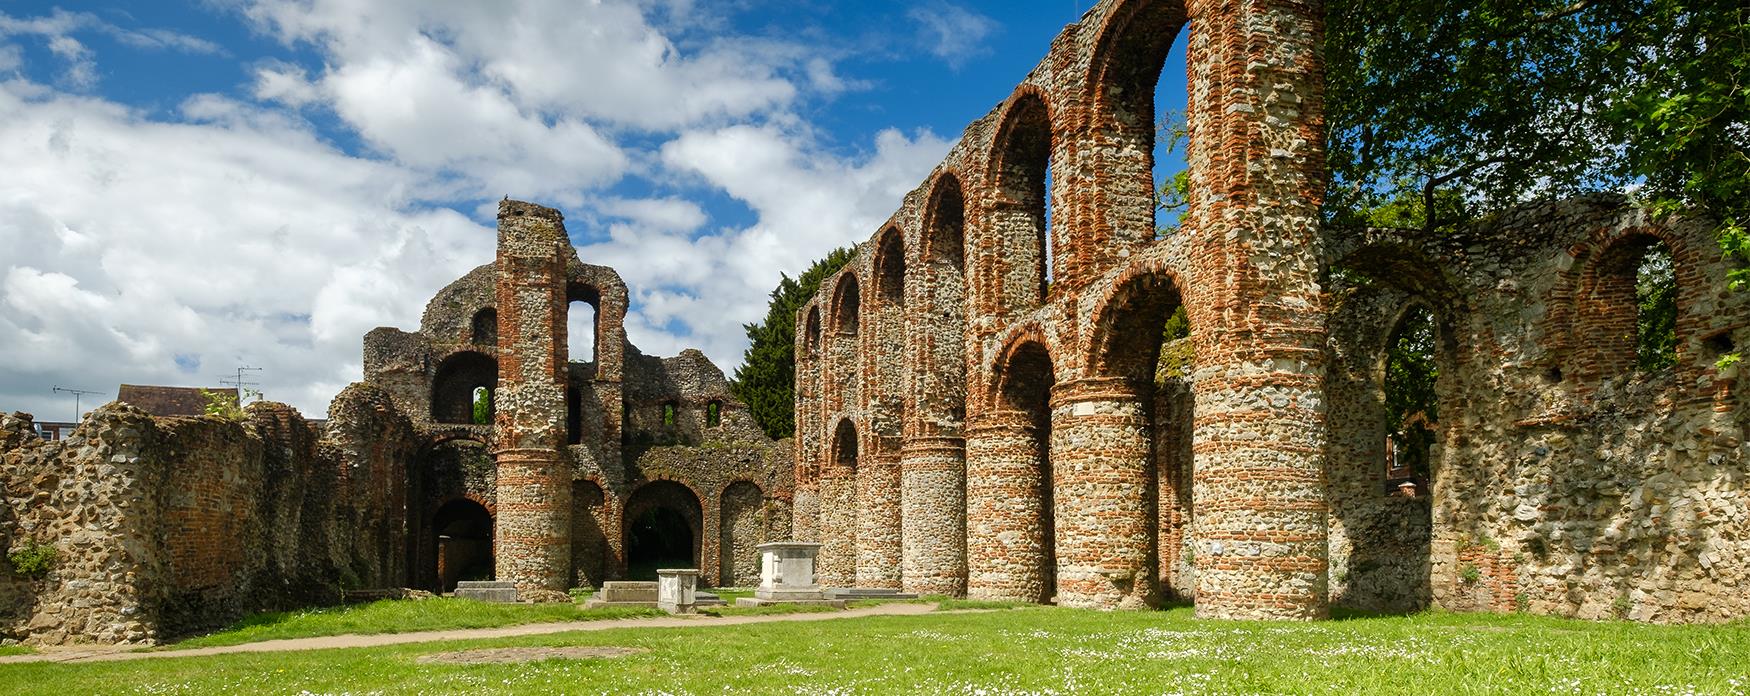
[713,414]
[668,414]
[580,329]
[1172,176]
[1411,409]
[483,330]
[482,406]
[1655,310]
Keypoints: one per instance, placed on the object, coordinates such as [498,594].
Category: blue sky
[186,187]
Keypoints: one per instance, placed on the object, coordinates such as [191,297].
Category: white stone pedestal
[675,589]
[787,576]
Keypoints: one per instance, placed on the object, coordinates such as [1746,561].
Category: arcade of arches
[1247,410]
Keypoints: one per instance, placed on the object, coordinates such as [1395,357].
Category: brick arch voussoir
[835,315]
[1117,298]
[1012,340]
[1006,121]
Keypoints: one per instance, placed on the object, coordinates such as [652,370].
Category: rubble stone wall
[166,526]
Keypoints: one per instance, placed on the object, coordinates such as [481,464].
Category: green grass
[1029,650]
[15,650]
[769,610]
[399,616]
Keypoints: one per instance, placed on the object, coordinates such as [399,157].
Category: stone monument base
[486,590]
[624,593]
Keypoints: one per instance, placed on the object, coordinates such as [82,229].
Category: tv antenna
[77,394]
[243,387]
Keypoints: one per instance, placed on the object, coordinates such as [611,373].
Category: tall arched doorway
[663,529]
[462,533]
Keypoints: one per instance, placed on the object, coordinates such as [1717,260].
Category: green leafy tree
[1441,112]
[1410,402]
[766,380]
[482,406]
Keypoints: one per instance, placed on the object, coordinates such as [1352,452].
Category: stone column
[1104,495]
[533,524]
[878,519]
[1256,153]
[933,503]
[1007,551]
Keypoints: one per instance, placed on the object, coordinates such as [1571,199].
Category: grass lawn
[400,616]
[1032,650]
[15,650]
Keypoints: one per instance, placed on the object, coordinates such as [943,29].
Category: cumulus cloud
[132,243]
[151,247]
[951,32]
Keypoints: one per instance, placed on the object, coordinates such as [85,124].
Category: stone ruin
[475,447]
[987,403]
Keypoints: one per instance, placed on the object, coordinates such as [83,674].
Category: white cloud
[951,32]
[132,242]
[138,247]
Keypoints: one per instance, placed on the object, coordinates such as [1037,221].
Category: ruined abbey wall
[1029,278]
[1002,333]
[620,426]
[1565,480]
[162,526]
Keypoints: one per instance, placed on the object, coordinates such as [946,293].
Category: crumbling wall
[1565,481]
[166,526]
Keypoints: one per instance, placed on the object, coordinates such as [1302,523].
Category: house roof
[170,401]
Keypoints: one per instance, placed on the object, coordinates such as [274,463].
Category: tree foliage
[1655,310]
[1410,402]
[1470,107]
[766,380]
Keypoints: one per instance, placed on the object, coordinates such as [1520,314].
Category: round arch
[1020,164]
[461,532]
[664,528]
[847,302]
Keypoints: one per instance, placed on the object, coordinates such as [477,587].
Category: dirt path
[99,654]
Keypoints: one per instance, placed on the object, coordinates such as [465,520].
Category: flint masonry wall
[1048,453]
[627,422]
[974,241]
[165,526]
[1565,481]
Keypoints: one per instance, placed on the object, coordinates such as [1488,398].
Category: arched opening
[482,405]
[670,414]
[743,528]
[663,529]
[462,533]
[1170,169]
[847,306]
[454,387]
[943,383]
[1024,386]
[714,414]
[483,330]
[811,332]
[1140,85]
[1021,168]
[1628,311]
[1144,336]
[1411,410]
[888,324]
[583,304]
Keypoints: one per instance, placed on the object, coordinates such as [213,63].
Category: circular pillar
[933,515]
[1104,491]
[1007,552]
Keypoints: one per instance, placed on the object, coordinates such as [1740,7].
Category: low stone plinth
[624,593]
[867,593]
[486,590]
[675,589]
